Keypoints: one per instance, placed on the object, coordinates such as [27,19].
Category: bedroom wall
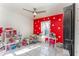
[56,25]
[10,18]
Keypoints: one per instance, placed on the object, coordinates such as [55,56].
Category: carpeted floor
[39,49]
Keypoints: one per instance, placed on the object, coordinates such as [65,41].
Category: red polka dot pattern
[56,25]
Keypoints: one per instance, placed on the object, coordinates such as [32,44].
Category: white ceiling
[49,7]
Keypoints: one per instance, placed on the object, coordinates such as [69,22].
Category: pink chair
[46,39]
[51,42]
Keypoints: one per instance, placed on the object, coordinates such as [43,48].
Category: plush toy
[11,40]
[31,38]
[24,42]
[8,47]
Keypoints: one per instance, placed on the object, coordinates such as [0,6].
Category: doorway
[69,28]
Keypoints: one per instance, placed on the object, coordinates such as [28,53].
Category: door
[69,28]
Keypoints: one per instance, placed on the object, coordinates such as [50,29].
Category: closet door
[69,28]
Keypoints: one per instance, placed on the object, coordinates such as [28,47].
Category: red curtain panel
[56,25]
[1,30]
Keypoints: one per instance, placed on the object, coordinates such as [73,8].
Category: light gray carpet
[43,49]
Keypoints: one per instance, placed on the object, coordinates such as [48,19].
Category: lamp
[34,13]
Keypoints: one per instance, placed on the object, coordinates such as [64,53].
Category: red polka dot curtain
[56,25]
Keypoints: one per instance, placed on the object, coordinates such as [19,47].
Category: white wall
[10,18]
[77,30]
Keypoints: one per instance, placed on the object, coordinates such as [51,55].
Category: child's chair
[51,42]
[46,39]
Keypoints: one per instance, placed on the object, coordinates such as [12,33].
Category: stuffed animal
[24,42]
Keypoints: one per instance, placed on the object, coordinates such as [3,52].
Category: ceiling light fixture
[35,11]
